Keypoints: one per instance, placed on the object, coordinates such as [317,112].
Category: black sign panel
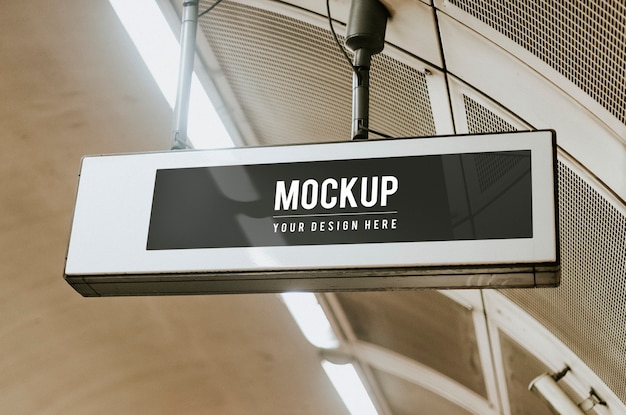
[448,197]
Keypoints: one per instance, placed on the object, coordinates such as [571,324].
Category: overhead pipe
[547,388]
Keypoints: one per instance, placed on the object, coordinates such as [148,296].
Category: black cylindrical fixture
[366,25]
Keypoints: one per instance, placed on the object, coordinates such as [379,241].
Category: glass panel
[520,368]
[466,197]
[425,326]
[406,398]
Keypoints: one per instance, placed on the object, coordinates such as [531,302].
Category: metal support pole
[185,71]
[361,94]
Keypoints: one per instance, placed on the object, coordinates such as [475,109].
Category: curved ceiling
[73,85]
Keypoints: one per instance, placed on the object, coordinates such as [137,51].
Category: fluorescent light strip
[311,319]
[350,388]
[159,49]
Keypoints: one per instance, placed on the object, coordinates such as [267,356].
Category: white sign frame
[107,252]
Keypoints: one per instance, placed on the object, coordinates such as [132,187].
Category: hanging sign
[445,212]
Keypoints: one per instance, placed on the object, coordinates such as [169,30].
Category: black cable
[378,133]
[332,29]
[210,8]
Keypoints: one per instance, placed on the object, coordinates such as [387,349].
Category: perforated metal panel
[481,120]
[295,86]
[290,88]
[400,104]
[588,311]
[584,40]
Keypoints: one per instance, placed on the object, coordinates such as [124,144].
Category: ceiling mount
[365,37]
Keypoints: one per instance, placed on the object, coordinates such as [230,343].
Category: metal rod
[185,71]
[361,95]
